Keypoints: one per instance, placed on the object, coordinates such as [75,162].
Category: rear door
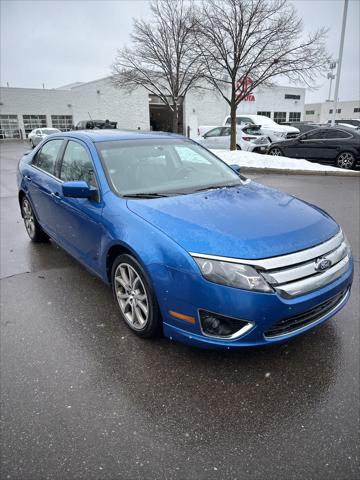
[41,182]
[335,140]
[212,138]
[80,226]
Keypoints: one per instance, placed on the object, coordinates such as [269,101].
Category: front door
[80,225]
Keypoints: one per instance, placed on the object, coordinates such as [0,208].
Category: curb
[340,173]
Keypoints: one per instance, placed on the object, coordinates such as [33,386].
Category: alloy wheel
[29,218]
[276,152]
[345,160]
[131,296]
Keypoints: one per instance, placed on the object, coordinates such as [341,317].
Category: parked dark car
[338,146]
[95,124]
[355,122]
[303,126]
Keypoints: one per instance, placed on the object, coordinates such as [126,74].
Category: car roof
[108,135]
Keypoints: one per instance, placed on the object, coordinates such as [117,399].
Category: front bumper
[191,293]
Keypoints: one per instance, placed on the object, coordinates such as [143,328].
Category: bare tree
[246,43]
[162,58]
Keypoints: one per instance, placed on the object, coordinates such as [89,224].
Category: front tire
[32,144]
[238,147]
[345,160]
[135,297]
[35,232]
[276,151]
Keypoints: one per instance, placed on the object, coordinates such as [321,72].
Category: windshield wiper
[146,195]
[215,187]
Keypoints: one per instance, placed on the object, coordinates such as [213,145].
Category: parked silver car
[39,134]
[248,138]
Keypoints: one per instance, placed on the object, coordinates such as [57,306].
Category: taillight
[248,139]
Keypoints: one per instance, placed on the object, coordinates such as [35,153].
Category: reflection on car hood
[249,221]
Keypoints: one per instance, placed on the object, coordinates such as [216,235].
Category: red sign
[244,85]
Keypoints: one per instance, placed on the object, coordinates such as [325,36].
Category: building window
[9,126]
[356,109]
[34,121]
[62,122]
[289,96]
[294,117]
[265,114]
[338,110]
[331,110]
[279,117]
[310,112]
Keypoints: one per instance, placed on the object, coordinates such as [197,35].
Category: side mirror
[236,168]
[79,189]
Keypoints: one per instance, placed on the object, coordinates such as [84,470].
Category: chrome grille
[301,274]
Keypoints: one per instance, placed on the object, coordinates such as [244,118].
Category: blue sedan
[189,246]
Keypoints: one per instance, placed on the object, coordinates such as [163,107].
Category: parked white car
[204,129]
[272,130]
[39,134]
[248,138]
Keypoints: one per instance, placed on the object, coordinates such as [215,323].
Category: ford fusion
[189,246]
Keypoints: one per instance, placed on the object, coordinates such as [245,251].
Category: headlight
[348,246]
[233,275]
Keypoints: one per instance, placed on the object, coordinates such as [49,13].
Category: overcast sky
[59,42]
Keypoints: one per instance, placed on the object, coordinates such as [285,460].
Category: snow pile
[256,160]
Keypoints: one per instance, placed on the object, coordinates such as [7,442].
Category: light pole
[336,94]
[331,77]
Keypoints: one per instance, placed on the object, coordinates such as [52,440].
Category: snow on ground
[256,160]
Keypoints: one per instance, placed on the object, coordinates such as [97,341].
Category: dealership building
[23,109]
[323,112]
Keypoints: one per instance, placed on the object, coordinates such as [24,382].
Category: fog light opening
[215,325]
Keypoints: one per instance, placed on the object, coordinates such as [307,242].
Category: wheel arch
[21,195]
[113,252]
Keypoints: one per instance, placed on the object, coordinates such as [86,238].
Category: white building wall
[203,108]
[321,111]
[35,101]
[103,101]
[273,100]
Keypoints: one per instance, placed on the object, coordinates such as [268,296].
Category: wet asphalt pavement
[83,398]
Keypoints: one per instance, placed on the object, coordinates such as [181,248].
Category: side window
[226,131]
[243,120]
[215,132]
[317,135]
[334,133]
[76,164]
[228,121]
[46,157]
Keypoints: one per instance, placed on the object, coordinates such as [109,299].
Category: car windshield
[49,131]
[163,167]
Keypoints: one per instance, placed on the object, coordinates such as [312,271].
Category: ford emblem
[322,264]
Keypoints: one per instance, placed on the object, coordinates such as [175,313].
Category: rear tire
[35,232]
[345,160]
[276,151]
[32,144]
[238,147]
[135,297]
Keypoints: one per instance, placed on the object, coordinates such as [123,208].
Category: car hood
[250,221]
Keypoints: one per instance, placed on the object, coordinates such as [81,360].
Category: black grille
[292,135]
[291,324]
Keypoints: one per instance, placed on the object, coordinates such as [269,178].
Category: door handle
[55,194]
[28,178]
